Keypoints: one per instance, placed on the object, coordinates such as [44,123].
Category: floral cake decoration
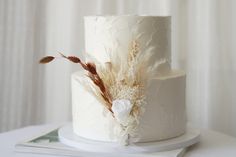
[120,85]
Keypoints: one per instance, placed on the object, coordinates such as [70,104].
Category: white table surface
[212,144]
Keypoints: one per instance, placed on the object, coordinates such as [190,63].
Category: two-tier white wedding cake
[132,94]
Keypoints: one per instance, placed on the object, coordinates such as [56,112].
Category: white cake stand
[67,136]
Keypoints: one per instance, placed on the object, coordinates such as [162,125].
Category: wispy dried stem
[133,51]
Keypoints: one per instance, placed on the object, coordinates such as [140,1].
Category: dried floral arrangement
[120,85]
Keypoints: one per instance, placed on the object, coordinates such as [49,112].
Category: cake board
[67,136]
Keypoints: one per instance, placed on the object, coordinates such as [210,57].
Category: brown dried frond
[46,59]
[74,59]
[92,74]
[104,92]
[91,67]
[108,103]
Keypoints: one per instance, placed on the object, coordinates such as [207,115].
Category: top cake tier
[114,34]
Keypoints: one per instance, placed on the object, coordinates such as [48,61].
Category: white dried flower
[121,109]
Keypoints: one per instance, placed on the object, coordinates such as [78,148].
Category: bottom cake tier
[164,116]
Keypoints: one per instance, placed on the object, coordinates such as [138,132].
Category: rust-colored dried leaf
[46,59]
[108,103]
[74,59]
[104,93]
[91,68]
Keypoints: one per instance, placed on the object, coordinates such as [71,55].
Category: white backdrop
[203,44]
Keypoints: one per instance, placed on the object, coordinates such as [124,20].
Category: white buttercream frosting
[106,35]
